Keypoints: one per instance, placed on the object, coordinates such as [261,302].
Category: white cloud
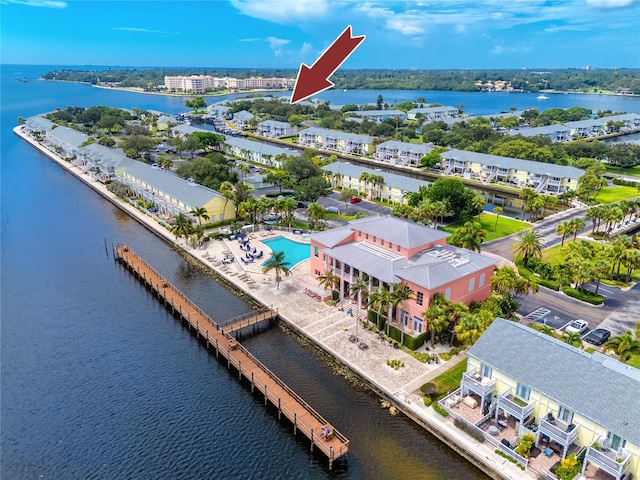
[277,52]
[410,22]
[307,49]
[460,28]
[275,43]
[565,28]
[499,49]
[144,30]
[610,3]
[41,3]
[283,11]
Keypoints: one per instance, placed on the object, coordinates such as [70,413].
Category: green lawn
[506,226]
[449,380]
[634,361]
[630,172]
[616,193]
[554,257]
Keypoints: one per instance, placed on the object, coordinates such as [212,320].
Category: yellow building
[338,141]
[522,381]
[173,195]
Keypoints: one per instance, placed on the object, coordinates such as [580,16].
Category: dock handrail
[246,319]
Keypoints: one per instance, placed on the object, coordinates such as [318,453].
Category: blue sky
[284,33]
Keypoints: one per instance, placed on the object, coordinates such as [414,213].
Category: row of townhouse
[206,83]
[520,381]
[37,125]
[258,152]
[394,188]
[276,129]
[241,119]
[543,177]
[401,153]
[379,115]
[100,162]
[172,194]
[602,126]
[334,140]
[390,251]
[432,114]
[556,133]
[66,140]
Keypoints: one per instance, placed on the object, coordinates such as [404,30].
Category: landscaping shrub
[626,183]
[452,353]
[429,388]
[427,400]
[414,343]
[439,409]
[584,295]
[335,295]
[468,430]
[510,458]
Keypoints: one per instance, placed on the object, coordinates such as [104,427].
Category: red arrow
[314,79]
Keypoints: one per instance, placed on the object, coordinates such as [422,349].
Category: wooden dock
[247,320]
[288,403]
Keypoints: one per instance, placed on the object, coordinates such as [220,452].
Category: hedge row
[585,296]
[529,275]
[626,183]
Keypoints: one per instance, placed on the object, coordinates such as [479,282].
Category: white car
[577,326]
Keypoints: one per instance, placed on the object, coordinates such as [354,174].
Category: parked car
[332,209]
[355,200]
[577,326]
[597,336]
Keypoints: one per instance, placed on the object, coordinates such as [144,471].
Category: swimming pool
[294,252]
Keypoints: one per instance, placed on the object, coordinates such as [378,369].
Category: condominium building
[391,252]
[38,125]
[275,129]
[556,133]
[258,152]
[401,153]
[432,114]
[543,177]
[100,162]
[241,119]
[379,115]
[337,141]
[393,187]
[172,194]
[520,381]
[65,139]
[206,83]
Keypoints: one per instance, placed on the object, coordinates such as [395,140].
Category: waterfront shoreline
[305,316]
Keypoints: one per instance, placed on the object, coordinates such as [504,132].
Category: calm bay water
[98,381]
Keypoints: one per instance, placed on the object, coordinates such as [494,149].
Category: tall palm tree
[437,317]
[316,212]
[364,178]
[440,210]
[328,280]
[564,229]
[289,206]
[600,270]
[503,280]
[426,211]
[279,265]
[528,245]
[181,226]
[577,224]
[472,326]
[623,345]
[631,259]
[470,236]
[399,295]
[199,213]
[359,288]
[497,211]
[226,190]
[379,300]
[618,249]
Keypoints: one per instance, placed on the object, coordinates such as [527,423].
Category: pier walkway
[247,320]
[288,403]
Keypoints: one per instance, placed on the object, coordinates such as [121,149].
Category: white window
[418,324]
[565,415]
[523,392]
[447,293]
[485,370]
[615,442]
[481,281]
[472,284]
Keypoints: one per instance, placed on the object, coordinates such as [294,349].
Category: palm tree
[631,259]
[316,212]
[437,317]
[277,263]
[470,236]
[364,178]
[399,295]
[547,330]
[623,345]
[572,338]
[328,280]
[478,202]
[426,211]
[359,288]
[497,211]
[440,210]
[226,190]
[577,224]
[529,245]
[564,229]
[379,300]
[199,213]
[472,326]
[503,280]
[600,270]
[181,226]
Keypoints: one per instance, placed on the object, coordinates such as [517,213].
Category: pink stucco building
[389,250]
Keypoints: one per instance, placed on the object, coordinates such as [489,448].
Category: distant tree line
[579,80]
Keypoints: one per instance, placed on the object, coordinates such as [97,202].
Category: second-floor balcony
[515,406]
[559,431]
[614,462]
[478,384]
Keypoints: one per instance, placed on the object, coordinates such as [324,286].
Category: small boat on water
[542,97]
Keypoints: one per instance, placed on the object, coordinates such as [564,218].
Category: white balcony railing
[477,384]
[506,402]
[562,433]
[611,461]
